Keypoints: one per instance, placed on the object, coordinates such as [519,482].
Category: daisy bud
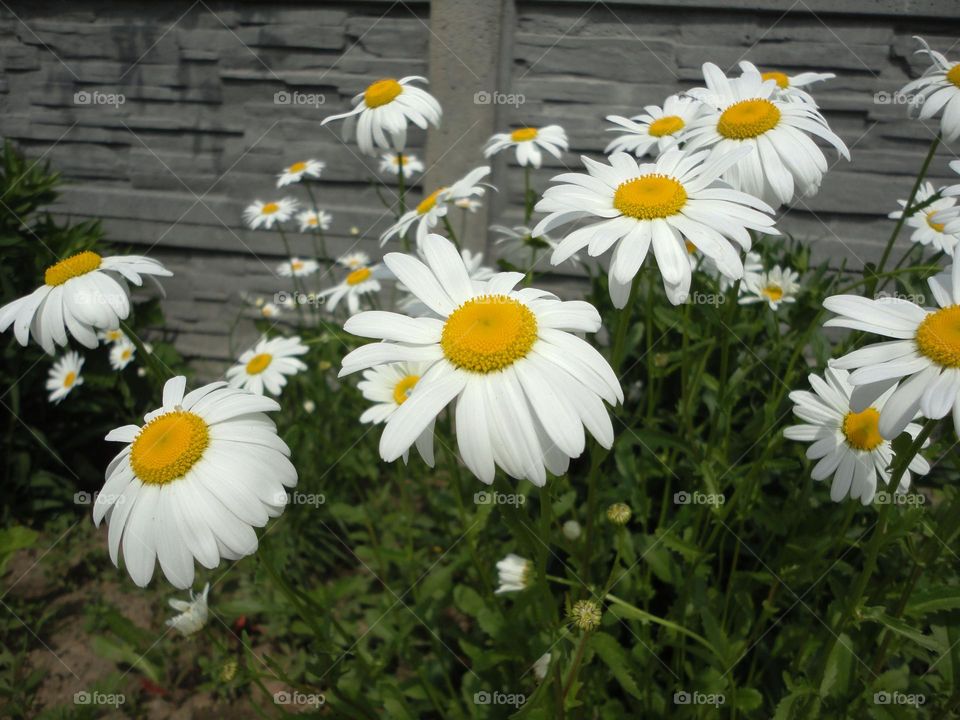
[619,513]
[585,615]
[571,529]
[514,574]
[541,666]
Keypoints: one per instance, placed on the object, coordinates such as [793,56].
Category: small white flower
[514,574]
[929,224]
[354,261]
[937,89]
[571,530]
[299,170]
[112,336]
[468,204]
[309,406]
[64,376]
[777,286]
[362,281]
[390,386]
[193,613]
[656,129]
[788,88]
[297,267]
[266,366]
[528,142]
[310,220]
[265,214]
[122,354]
[390,165]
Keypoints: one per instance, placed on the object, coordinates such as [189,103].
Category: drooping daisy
[112,336]
[774,287]
[81,295]
[265,214]
[193,613]
[656,129]
[204,470]
[266,365]
[390,164]
[122,354]
[297,267]
[299,170]
[514,574]
[747,111]
[788,88]
[525,386]
[847,443]
[64,376]
[528,142]
[925,353]
[434,206]
[310,220]
[385,108]
[929,223]
[390,386]
[362,281]
[662,204]
[937,89]
[354,260]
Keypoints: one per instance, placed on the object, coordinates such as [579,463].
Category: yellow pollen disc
[748,119]
[953,74]
[935,225]
[488,333]
[313,220]
[296,264]
[523,134]
[168,446]
[691,248]
[426,205]
[69,379]
[667,125]
[71,267]
[650,196]
[259,363]
[270,208]
[783,82]
[125,355]
[938,336]
[774,292]
[297,167]
[381,92]
[358,276]
[861,429]
[401,390]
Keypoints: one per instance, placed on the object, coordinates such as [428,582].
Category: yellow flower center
[313,220]
[71,267]
[401,390]
[297,167]
[935,225]
[125,355]
[270,208]
[773,292]
[953,75]
[114,335]
[938,336]
[861,429]
[488,333]
[168,446]
[426,205]
[259,363]
[523,134]
[358,276]
[296,264]
[667,125]
[650,196]
[748,119]
[783,82]
[69,379]
[381,92]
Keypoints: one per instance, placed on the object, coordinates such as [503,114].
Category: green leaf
[615,658]
[941,598]
[836,676]
[876,614]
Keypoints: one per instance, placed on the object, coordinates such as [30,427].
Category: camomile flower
[64,376]
[81,295]
[929,223]
[520,240]
[846,443]
[266,365]
[748,112]
[362,281]
[270,310]
[788,87]
[390,164]
[310,220]
[111,336]
[662,204]
[385,108]
[528,142]
[656,129]
[121,354]
[203,471]
[390,386]
[523,385]
[513,574]
[777,286]
[937,89]
[354,260]
[299,170]
[434,206]
[265,214]
[949,216]
[193,613]
[923,357]
[297,267]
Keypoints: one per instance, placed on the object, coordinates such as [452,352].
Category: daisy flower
[433,207]
[937,89]
[748,111]
[949,216]
[64,376]
[528,142]
[513,573]
[662,204]
[929,223]
[383,110]
[777,286]
[788,88]
[266,365]
[261,214]
[924,352]
[310,220]
[520,239]
[354,261]
[203,471]
[389,386]
[524,384]
[81,295]
[297,267]
[390,164]
[656,129]
[121,354]
[362,281]
[299,170]
[193,613]
[846,443]
[111,336]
